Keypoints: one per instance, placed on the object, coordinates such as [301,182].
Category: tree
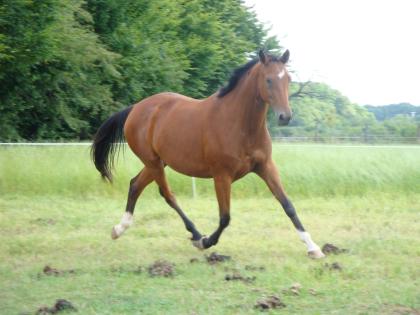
[67,65]
[54,71]
[322,111]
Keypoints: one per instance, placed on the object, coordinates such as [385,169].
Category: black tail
[107,142]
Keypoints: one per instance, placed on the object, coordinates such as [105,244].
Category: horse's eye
[269,82]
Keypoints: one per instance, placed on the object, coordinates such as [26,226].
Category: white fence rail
[45,143]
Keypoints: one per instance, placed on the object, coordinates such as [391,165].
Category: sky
[368,50]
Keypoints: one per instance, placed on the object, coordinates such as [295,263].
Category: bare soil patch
[270,302]
[328,249]
[161,268]
[236,276]
[60,305]
[294,289]
[215,258]
[50,271]
[333,266]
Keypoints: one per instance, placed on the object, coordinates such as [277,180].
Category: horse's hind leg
[160,178]
[137,184]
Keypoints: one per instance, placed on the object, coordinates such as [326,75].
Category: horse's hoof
[120,228]
[115,233]
[199,243]
[316,254]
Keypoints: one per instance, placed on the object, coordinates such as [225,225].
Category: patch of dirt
[294,289]
[60,305]
[49,271]
[312,291]
[215,258]
[270,302]
[400,310]
[161,268]
[254,268]
[237,276]
[328,249]
[44,221]
[333,266]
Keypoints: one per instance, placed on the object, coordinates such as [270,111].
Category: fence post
[194,187]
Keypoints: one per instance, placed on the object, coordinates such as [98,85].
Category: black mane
[236,76]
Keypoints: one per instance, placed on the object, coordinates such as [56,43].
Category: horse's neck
[247,109]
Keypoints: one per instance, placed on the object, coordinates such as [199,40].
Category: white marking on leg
[281,74]
[199,243]
[125,223]
[306,238]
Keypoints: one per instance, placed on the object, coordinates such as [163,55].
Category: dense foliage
[390,111]
[67,65]
[55,74]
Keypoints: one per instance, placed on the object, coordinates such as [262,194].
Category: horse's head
[274,84]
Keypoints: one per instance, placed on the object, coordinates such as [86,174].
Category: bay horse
[223,137]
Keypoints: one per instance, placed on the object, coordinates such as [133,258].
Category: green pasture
[54,210]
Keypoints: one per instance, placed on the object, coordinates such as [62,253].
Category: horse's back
[168,127]
[152,106]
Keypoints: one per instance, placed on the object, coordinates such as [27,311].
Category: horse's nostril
[283,119]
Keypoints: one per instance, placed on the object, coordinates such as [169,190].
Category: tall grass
[306,170]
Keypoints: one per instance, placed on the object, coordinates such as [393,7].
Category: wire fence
[368,139]
[372,140]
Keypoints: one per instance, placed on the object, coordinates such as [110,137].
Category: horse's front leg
[268,172]
[222,185]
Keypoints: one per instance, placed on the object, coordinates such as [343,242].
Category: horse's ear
[285,57]
[263,56]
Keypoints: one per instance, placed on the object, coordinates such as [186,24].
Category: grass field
[54,210]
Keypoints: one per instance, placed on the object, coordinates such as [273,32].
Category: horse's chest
[248,163]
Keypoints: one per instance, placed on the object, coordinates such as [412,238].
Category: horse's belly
[189,167]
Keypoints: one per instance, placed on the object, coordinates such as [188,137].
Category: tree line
[65,66]
[321,112]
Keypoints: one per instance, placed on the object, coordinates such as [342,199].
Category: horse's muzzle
[284,119]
